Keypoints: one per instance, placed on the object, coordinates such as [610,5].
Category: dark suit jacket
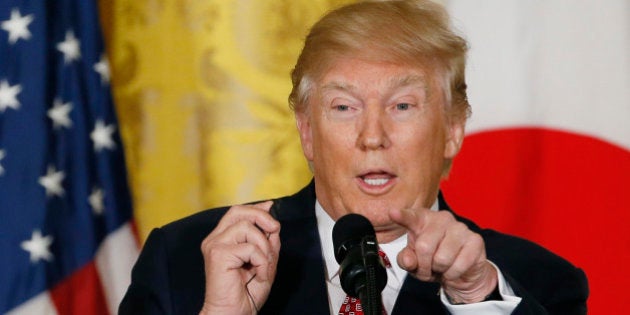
[169,278]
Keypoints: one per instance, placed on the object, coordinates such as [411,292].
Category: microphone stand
[370,295]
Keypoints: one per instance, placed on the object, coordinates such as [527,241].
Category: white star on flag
[102,67]
[96,200]
[102,136]
[70,48]
[38,247]
[52,182]
[8,95]
[17,26]
[2,155]
[59,114]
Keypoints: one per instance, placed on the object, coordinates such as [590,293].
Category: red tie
[352,306]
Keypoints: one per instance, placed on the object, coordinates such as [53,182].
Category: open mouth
[376,179]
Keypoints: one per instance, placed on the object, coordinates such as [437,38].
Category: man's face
[377,137]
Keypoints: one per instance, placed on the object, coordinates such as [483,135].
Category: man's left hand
[442,249]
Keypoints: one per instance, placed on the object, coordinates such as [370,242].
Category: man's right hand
[240,257]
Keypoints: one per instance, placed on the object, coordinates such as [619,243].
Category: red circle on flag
[567,192]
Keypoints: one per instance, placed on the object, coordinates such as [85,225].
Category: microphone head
[348,231]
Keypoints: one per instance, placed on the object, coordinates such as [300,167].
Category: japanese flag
[547,151]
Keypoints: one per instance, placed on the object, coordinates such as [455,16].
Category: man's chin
[382,223]
[389,234]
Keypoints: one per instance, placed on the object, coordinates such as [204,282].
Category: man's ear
[306,134]
[454,138]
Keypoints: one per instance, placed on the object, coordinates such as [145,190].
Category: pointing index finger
[412,220]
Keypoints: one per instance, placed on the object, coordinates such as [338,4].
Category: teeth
[376,181]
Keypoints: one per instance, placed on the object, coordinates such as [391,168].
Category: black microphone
[362,273]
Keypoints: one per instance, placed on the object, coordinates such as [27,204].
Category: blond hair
[404,32]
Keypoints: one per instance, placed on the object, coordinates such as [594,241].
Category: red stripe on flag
[81,293]
[136,232]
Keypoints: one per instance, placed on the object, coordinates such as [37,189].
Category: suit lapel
[417,297]
[300,284]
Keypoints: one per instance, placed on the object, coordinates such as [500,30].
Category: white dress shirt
[396,276]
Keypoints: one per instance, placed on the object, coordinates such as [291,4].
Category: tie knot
[384,258]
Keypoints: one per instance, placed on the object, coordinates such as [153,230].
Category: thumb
[406,259]
[264,205]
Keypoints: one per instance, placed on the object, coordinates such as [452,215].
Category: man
[380,101]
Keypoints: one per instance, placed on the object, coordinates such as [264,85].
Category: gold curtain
[201,92]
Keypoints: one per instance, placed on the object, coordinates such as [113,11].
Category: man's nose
[373,133]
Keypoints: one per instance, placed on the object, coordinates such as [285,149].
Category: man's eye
[342,108]
[402,106]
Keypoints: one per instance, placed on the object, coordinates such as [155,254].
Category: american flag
[65,210]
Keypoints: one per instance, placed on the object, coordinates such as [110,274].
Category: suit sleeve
[566,295]
[148,292]
[545,282]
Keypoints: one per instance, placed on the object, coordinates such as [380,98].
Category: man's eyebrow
[338,86]
[396,82]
